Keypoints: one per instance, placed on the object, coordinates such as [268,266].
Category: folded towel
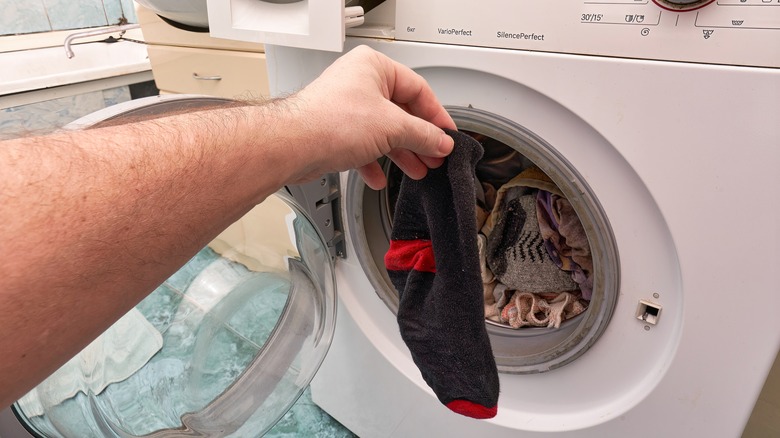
[433,262]
[116,355]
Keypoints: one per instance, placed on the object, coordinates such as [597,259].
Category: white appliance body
[665,119]
[673,126]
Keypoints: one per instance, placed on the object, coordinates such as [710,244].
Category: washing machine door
[224,347]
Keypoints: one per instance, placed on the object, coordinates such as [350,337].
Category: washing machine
[658,121]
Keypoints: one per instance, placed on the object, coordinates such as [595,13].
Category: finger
[431,162]
[373,176]
[417,135]
[409,163]
[410,90]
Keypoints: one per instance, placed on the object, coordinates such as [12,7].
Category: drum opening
[531,330]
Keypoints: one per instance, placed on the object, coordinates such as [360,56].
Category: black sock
[433,262]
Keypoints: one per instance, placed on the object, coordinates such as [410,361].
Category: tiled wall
[30,16]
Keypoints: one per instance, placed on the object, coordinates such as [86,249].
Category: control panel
[730,32]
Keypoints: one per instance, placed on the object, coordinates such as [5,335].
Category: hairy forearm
[91,222]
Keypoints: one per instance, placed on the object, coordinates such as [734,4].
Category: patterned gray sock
[516,253]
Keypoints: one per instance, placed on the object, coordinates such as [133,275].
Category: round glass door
[224,347]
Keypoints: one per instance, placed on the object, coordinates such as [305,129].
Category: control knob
[682,5]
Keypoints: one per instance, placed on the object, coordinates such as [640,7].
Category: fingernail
[446,144]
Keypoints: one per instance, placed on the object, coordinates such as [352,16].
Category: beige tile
[765,420]
[771,391]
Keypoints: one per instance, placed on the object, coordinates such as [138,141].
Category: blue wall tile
[23,16]
[129,8]
[115,9]
[75,14]
[30,16]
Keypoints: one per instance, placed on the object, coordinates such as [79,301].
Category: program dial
[682,5]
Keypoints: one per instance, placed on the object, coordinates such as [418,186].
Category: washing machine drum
[534,324]
[224,347]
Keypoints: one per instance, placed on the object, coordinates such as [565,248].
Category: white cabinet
[196,63]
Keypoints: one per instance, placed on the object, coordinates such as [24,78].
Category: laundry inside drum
[535,258]
[569,294]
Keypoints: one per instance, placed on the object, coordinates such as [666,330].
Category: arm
[92,221]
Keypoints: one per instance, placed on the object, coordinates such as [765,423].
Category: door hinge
[321,199]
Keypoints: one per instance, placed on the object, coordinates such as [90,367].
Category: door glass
[224,347]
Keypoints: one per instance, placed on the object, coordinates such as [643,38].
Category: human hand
[366,105]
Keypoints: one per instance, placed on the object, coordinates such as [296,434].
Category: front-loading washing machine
[658,121]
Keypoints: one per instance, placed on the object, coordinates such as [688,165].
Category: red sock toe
[471,409]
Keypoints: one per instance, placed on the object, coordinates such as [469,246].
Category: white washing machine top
[736,32]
